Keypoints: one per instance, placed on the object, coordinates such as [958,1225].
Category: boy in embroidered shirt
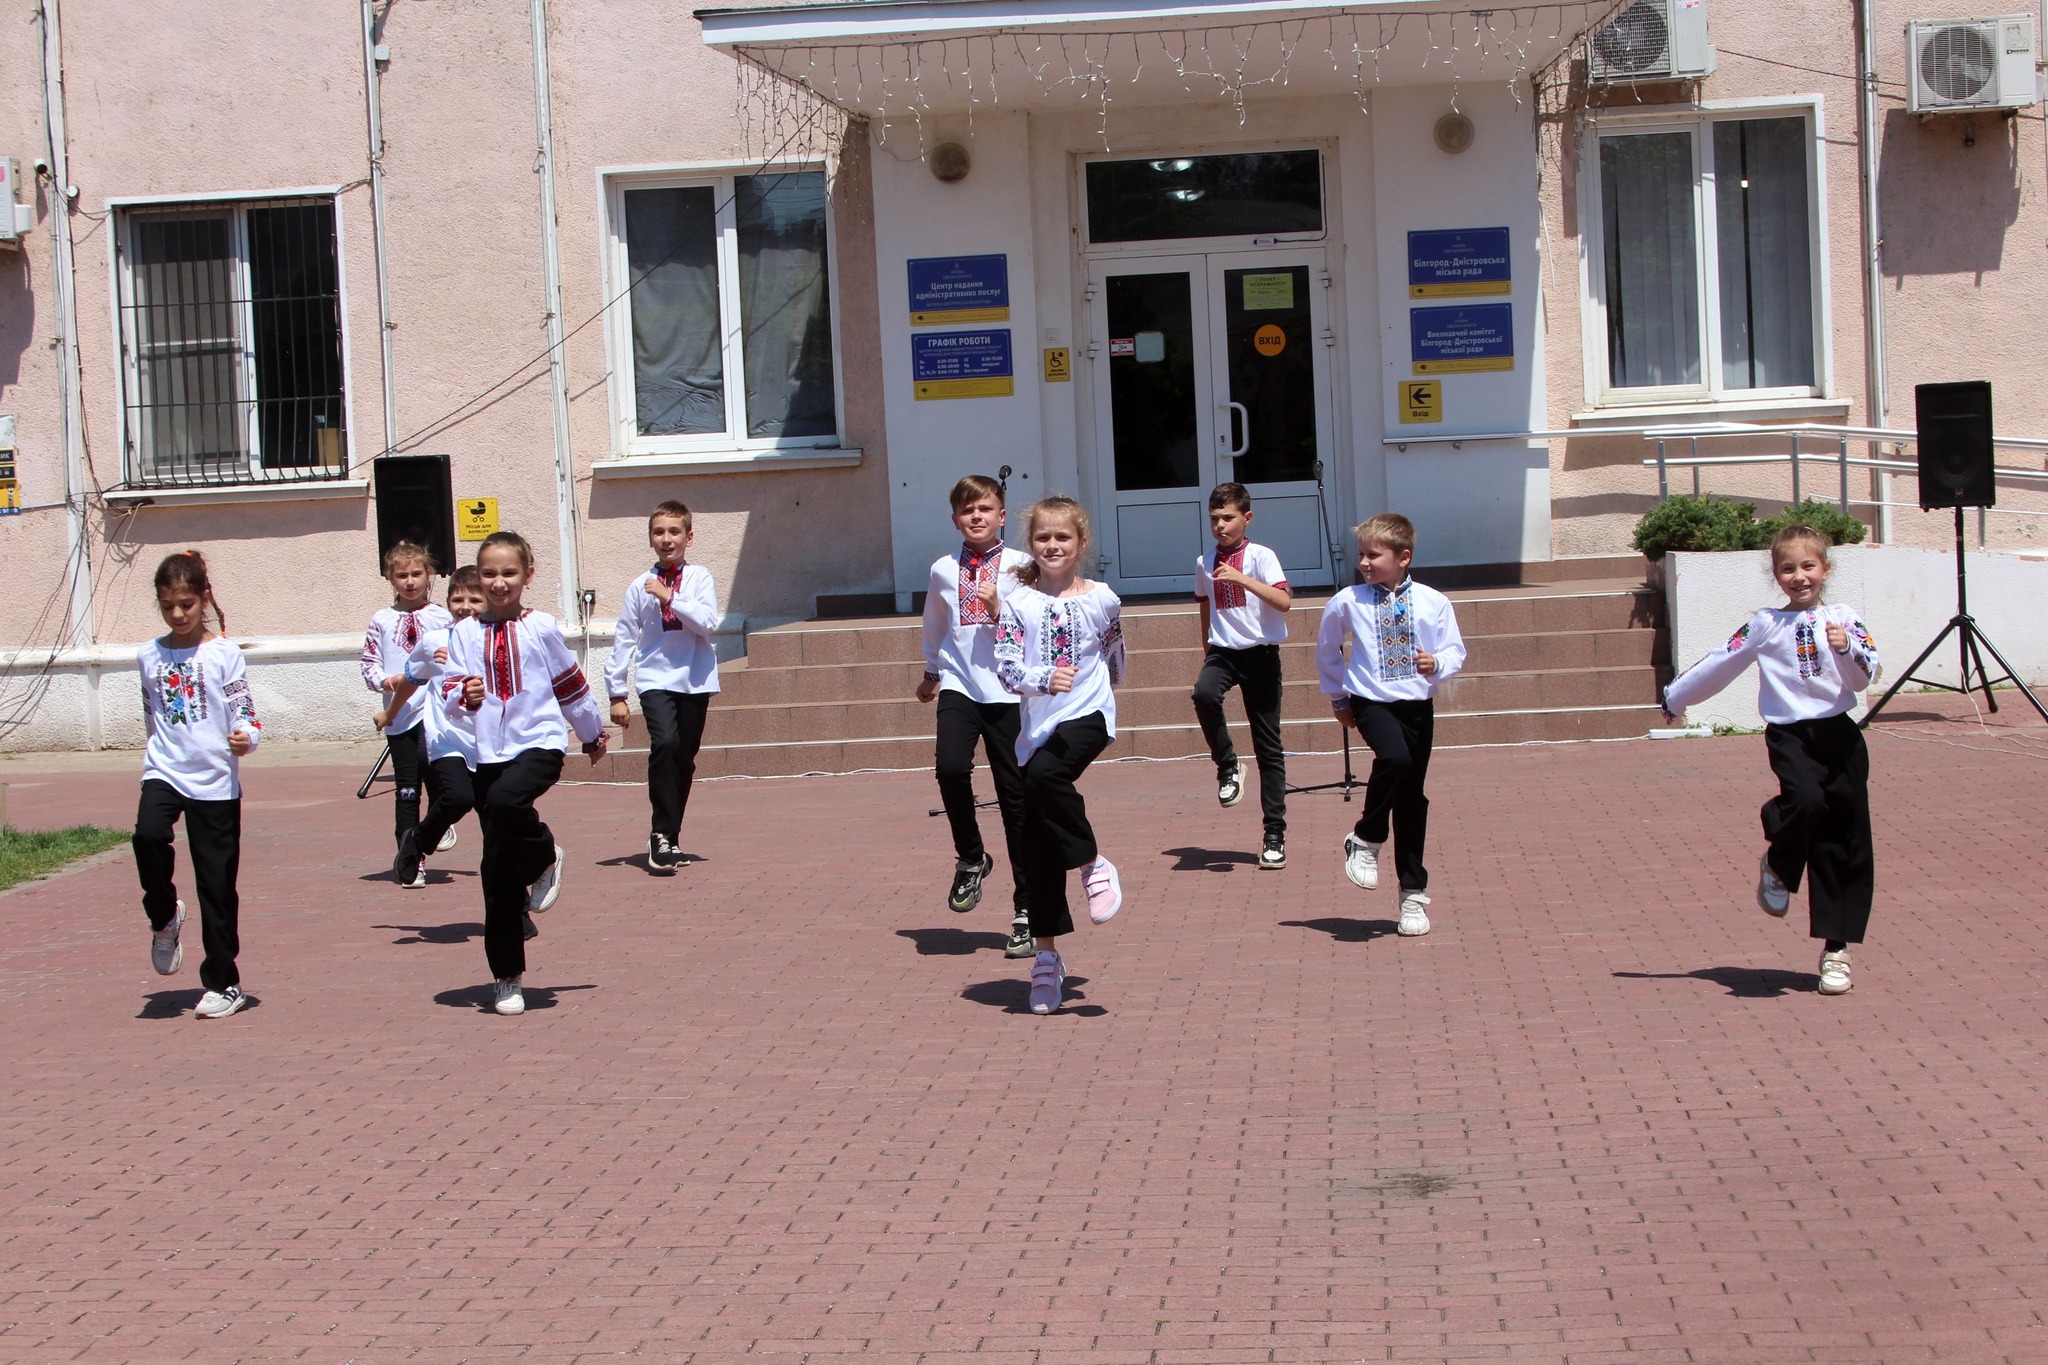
[1404,645]
[1245,600]
[666,619]
[960,610]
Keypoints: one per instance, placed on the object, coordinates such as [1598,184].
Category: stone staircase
[1554,657]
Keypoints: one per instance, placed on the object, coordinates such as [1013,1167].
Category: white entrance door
[1207,368]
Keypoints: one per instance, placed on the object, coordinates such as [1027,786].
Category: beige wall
[1965,273]
[234,99]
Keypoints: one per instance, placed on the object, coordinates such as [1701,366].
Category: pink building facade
[802,266]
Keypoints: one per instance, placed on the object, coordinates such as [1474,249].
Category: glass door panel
[1152,380]
[1274,420]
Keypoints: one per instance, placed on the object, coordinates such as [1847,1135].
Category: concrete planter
[1904,595]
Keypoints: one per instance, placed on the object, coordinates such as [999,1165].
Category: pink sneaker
[1105,892]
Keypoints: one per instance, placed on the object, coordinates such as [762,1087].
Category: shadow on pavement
[482,998]
[1012,995]
[1345,930]
[169,1004]
[1747,982]
[434,933]
[639,860]
[952,942]
[1209,859]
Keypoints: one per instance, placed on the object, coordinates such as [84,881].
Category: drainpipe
[573,605]
[77,531]
[1877,397]
[374,98]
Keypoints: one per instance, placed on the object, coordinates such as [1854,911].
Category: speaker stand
[1345,784]
[1968,639]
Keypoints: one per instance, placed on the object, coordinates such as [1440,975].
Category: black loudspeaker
[1954,422]
[415,502]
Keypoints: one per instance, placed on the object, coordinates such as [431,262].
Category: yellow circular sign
[1269,340]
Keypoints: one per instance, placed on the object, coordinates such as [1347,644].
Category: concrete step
[1611,605]
[1315,742]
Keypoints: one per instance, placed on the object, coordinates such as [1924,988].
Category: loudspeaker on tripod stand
[1956,467]
[415,502]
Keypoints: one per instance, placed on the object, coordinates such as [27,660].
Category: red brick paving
[787,1105]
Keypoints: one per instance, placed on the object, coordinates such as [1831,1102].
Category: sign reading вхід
[950,289]
[962,365]
[1461,262]
[1463,339]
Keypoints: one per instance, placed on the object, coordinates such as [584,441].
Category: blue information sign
[1461,339]
[962,364]
[1459,262]
[947,289]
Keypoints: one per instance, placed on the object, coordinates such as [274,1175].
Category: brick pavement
[787,1105]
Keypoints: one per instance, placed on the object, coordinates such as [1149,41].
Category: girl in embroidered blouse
[511,670]
[1812,659]
[394,632]
[1060,647]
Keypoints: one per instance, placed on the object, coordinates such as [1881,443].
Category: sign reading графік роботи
[962,365]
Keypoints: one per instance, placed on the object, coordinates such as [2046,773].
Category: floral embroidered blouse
[1035,634]
[192,700]
[1799,676]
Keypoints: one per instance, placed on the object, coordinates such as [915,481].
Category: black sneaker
[1273,856]
[1021,943]
[663,857]
[409,867]
[966,892]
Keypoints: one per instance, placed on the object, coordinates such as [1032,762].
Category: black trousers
[213,832]
[675,731]
[409,768]
[453,796]
[1400,734]
[1819,822]
[963,722]
[1057,835]
[518,847]
[1255,672]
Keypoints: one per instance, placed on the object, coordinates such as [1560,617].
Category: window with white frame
[231,342]
[1707,278]
[724,339]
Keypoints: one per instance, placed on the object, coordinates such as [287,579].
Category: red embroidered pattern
[1228,594]
[501,659]
[408,630]
[975,570]
[571,686]
[672,579]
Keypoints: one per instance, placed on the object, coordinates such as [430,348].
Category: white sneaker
[1414,915]
[1361,862]
[543,893]
[1048,982]
[220,1004]
[1230,785]
[510,999]
[166,951]
[1772,893]
[1834,973]
[447,842]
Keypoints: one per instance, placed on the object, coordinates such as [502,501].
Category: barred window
[231,343]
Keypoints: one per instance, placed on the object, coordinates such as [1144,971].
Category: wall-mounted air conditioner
[1653,40]
[1971,64]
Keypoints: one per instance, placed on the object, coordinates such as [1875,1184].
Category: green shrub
[1831,521]
[1683,522]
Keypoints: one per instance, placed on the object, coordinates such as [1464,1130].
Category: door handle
[1244,418]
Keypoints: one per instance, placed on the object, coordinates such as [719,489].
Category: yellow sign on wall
[475,518]
[1058,368]
[1422,400]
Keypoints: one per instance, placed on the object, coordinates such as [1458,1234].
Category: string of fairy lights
[814,89]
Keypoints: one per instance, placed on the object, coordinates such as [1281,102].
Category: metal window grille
[231,344]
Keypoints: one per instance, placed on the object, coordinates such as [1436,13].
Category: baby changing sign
[1462,340]
[962,364]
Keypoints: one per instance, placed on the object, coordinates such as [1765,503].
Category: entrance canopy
[911,58]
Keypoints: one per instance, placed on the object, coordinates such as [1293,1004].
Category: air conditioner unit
[1972,64]
[1653,40]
